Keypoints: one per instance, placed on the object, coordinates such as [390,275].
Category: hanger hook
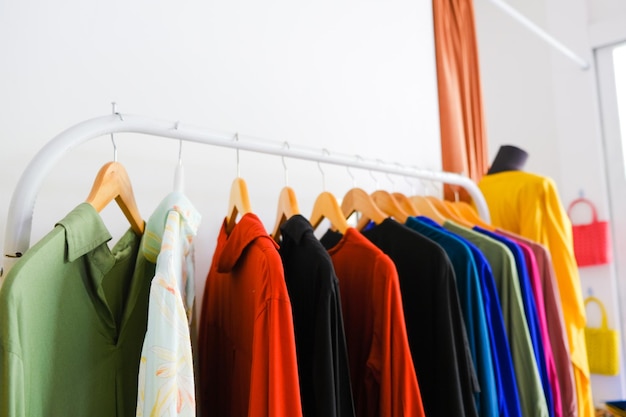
[393,183]
[359,158]
[439,188]
[114,148]
[285,146]
[180,145]
[425,188]
[179,174]
[406,178]
[376,182]
[455,190]
[374,178]
[319,166]
[113,104]
[429,187]
[236,139]
[351,176]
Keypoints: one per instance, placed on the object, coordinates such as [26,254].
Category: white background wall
[351,76]
[539,100]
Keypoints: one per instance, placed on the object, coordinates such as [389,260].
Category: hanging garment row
[112,284]
[118,320]
[416,311]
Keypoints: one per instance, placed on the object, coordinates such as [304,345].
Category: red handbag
[592,241]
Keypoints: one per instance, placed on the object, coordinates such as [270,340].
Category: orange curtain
[463,133]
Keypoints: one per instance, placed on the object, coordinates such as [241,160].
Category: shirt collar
[385,226]
[155,228]
[295,227]
[243,234]
[84,231]
[334,241]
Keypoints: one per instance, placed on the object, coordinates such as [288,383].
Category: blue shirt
[530,309]
[504,372]
[471,299]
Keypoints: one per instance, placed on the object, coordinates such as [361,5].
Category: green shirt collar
[84,231]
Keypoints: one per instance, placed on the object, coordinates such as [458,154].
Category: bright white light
[619,68]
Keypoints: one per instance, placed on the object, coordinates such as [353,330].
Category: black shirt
[318,323]
[432,312]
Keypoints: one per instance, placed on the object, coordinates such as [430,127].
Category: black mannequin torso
[508,158]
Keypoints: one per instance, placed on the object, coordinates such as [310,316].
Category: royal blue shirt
[470,296]
[530,308]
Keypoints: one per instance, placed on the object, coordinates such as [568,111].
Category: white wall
[541,101]
[602,11]
[515,71]
[351,76]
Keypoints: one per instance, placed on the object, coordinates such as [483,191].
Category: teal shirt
[532,399]
[73,316]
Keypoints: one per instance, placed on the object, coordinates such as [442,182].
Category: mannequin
[508,158]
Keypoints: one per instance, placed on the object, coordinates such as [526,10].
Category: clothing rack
[20,216]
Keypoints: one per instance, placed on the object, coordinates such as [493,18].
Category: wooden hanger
[406,204]
[287,207]
[452,208]
[238,203]
[388,204]
[441,206]
[427,208]
[357,200]
[326,206]
[468,212]
[112,183]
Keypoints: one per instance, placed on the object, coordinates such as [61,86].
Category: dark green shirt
[73,316]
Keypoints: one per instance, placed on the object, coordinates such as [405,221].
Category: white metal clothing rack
[20,216]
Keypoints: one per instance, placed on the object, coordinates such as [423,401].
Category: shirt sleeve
[531,214]
[532,398]
[274,384]
[12,398]
[332,372]
[399,391]
[457,351]
[561,246]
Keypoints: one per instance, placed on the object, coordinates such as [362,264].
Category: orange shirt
[247,352]
[381,368]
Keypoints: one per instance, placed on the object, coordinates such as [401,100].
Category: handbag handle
[605,324]
[594,213]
